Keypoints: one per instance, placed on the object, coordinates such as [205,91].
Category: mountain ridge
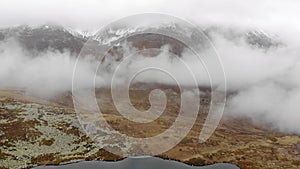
[56,37]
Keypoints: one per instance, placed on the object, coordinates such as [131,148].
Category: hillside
[36,132]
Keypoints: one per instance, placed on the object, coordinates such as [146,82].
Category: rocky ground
[37,132]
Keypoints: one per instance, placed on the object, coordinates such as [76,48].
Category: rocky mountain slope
[37,132]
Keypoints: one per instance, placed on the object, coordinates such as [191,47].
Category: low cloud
[44,75]
[264,84]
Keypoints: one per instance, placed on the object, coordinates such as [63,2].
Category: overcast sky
[91,14]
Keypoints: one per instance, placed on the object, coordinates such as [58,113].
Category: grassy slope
[35,132]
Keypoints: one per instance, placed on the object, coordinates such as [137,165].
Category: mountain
[35,132]
[45,37]
[256,38]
